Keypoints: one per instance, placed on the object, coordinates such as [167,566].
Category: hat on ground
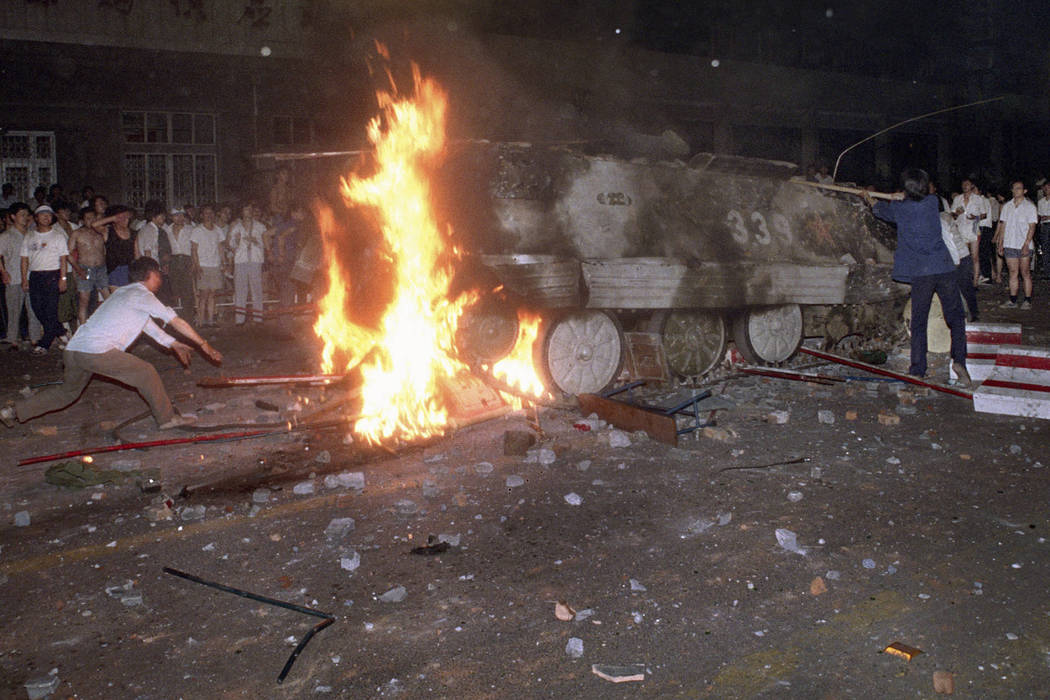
[43,208]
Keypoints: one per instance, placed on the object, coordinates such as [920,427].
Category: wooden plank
[645,357]
[628,417]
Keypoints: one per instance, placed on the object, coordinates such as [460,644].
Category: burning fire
[405,359]
[517,369]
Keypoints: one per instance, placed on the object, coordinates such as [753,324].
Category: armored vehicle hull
[717,249]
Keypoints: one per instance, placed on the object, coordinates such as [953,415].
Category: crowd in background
[988,231]
[62,255]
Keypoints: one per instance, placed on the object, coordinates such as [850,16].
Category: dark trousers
[964,278]
[986,251]
[946,286]
[43,296]
[182,285]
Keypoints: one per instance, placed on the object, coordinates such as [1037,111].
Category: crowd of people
[988,231]
[949,249]
[60,260]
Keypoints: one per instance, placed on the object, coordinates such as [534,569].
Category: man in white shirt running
[100,347]
[1017,221]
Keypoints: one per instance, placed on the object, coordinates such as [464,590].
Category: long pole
[240,435]
[849,190]
[885,372]
[834,174]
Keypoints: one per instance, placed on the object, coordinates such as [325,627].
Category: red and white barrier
[1019,384]
[982,346]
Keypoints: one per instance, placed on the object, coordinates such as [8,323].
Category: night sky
[1008,43]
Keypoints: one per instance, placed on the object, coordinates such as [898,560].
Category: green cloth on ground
[79,475]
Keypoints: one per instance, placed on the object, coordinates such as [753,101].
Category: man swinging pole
[100,347]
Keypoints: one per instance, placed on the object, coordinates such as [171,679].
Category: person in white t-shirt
[45,259]
[968,209]
[100,347]
[206,242]
[180,267]
[1017,220]
[147,241]
[1042,240]
[248,238]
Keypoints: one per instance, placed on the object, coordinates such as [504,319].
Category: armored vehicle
[717,250]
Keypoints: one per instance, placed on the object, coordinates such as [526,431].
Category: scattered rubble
[339,528]
[394,595]
[619,674]
[788,540]
[345,480]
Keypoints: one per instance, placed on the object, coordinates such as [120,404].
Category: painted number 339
[755,227]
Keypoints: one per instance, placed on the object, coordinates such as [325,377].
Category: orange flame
[407,357]
[517,369]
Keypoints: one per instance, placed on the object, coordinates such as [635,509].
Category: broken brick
[943,682]
[889,418]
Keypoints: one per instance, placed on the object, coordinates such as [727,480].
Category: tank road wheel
[694,341]
[583,352]
[488,335]
[769,335]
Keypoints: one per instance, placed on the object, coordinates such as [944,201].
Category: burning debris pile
[406,359]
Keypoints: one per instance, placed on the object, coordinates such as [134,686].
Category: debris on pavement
[817,586]
[394,595]
[563,611]
[788,541]
[39,688]
[338,528]
[350,562]
[619,674]
[574,647]
[345,480]
[326,619]
[902,650]
[943,682]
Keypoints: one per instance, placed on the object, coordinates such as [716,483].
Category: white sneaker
[1008,305]
[7,416]
[1026,305]
[39,350]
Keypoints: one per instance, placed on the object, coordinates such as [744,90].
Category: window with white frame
[27,161]
[169,156]
[177,179]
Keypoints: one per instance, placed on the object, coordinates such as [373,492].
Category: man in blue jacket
[923,261]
